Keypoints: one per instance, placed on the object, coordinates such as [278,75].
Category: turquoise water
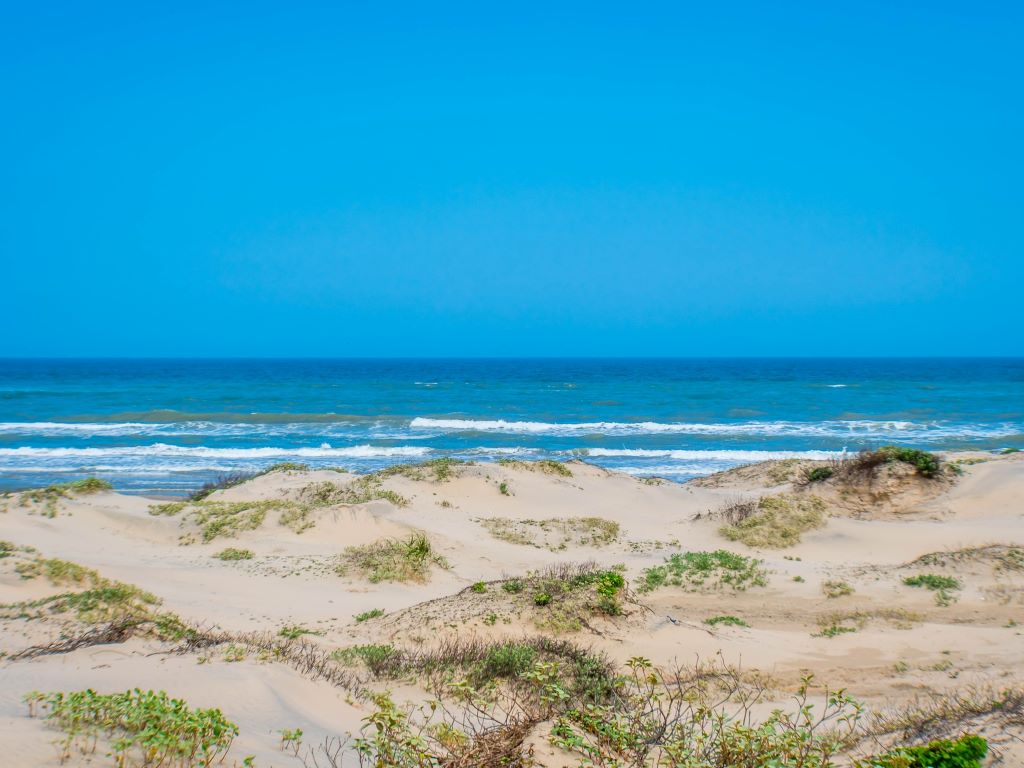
[166,426]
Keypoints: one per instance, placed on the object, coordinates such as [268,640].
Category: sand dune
[885,641]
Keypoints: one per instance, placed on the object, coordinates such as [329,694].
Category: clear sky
[531,179]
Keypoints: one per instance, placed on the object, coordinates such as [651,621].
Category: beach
[898,582]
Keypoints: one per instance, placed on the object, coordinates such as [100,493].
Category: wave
[423,428]
[710,455]
[162,449]
[836,428]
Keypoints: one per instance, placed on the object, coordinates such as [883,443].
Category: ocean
[167,426]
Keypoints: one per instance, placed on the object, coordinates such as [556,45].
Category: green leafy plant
[479,587]
[697,570]
[968,751]
[942,586]
[150,728]
[367,615]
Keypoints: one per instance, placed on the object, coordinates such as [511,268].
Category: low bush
[818,474]
[863,466]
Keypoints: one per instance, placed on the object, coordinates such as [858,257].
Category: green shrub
[513,586]
[542,598]
[479,587]
[927,464]
[966,752]
[819,474]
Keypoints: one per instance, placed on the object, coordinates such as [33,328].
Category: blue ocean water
[167,426]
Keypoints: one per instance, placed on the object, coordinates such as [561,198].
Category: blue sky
[537,179]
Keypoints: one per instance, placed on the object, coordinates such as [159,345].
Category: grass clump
[436,470]
[229,518]
[367,615]
[727,621]
[379,659]
[774,522]
[694,571]
[286,466]
[232,553]
[1001,558]
[834,630]
[97,600]
[834,589]
[51,494]
[942,586]
[142,728]
[546,466]
[169,509]
[400,560]
[561,598]
[297,518]
[294,631]
[362,490]
[221,483]
[554,533]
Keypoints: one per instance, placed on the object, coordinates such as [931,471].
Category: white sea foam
[710,455]
[164,450]
[422,428]
[837,428]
